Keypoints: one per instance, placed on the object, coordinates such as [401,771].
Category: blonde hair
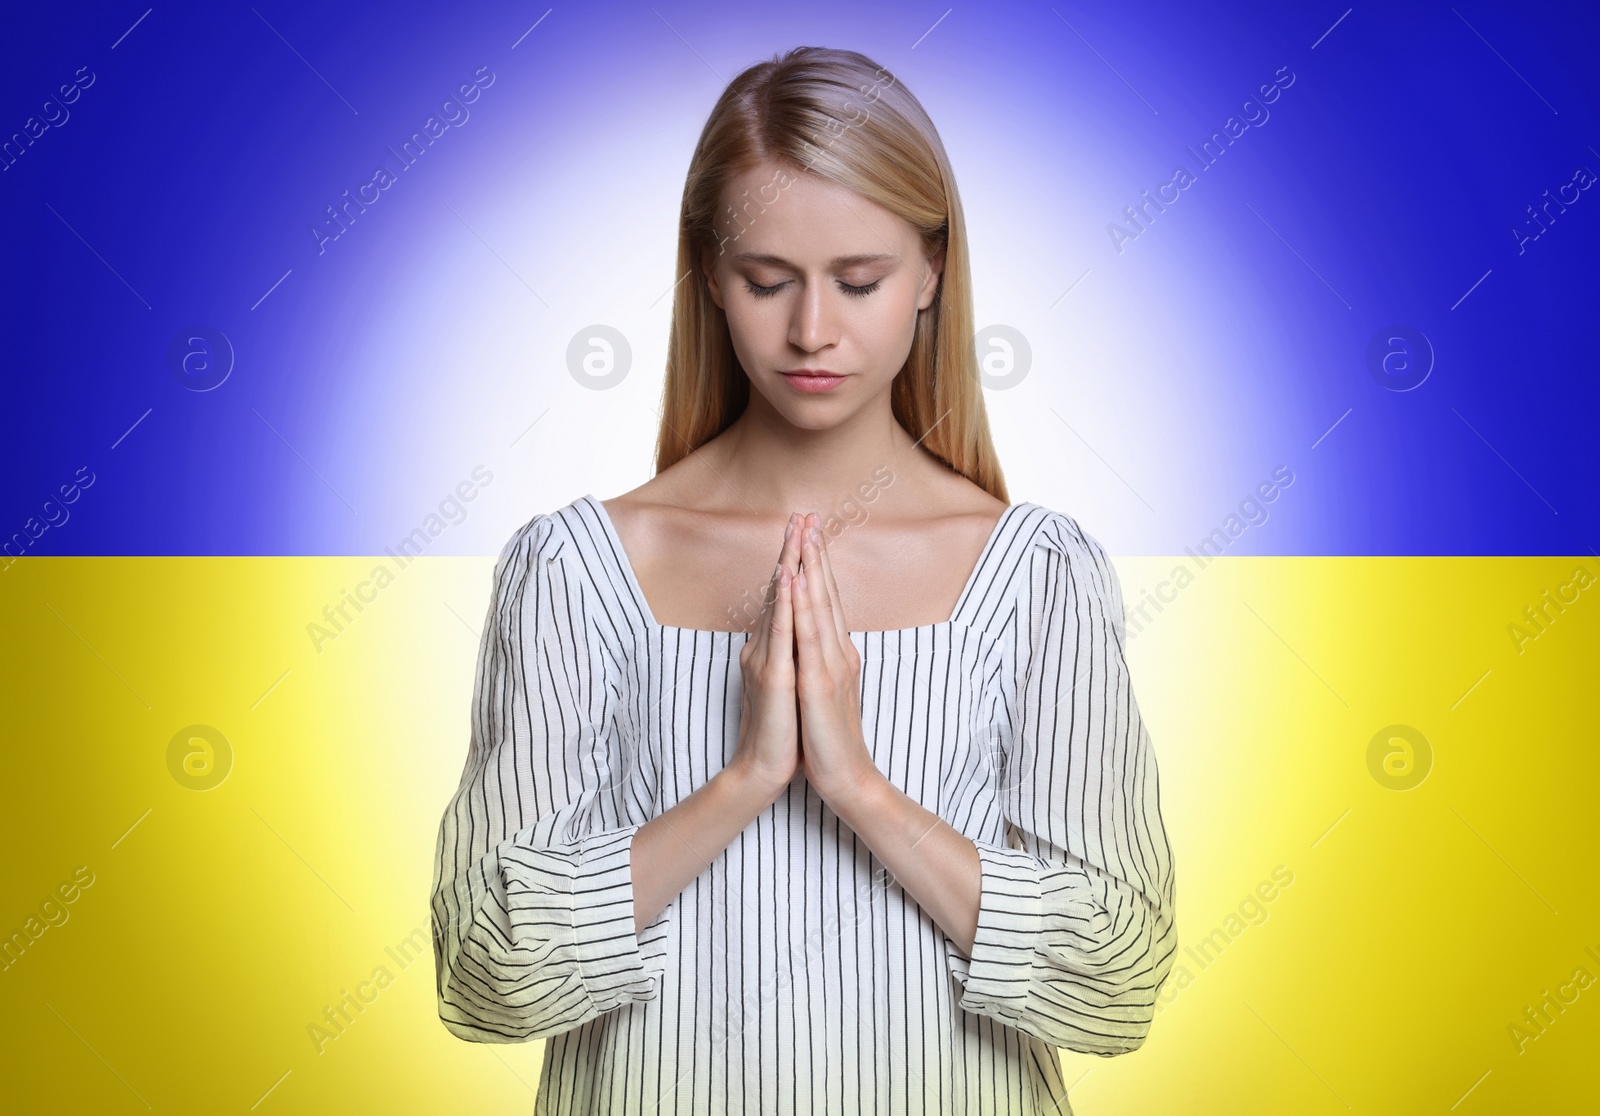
[838,115]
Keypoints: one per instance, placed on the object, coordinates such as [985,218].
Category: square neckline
[637,591]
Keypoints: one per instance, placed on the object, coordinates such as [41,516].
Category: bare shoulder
[968,500]
[954,506]
[920,528]
[660,514]
[904,560]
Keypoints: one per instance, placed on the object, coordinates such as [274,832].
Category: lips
[813,379]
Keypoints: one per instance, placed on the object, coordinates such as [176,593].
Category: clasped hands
[802,679]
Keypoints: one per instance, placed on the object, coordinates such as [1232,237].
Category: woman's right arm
[673,848]
[676,847]
[532,899]
[533,902]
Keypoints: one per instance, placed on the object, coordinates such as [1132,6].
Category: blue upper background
[1376,190]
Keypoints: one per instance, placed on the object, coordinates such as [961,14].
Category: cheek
[755,326]
[892,319]
[759,334]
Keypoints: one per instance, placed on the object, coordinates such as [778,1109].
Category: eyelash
[845,288]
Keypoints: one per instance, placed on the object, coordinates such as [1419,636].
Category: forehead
[775,210]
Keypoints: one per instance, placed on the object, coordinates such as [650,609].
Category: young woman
[772,811]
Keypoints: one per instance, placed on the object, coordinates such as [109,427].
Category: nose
[813,325]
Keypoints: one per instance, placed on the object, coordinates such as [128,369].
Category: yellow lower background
[1419,926]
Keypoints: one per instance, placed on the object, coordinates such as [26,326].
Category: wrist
[861,795]
[749,787]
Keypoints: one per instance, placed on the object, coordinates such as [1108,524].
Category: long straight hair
[838,115]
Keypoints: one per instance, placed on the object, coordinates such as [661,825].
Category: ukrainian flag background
[1298,302]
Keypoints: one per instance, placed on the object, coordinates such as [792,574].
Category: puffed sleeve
[532,903]
[1076,927]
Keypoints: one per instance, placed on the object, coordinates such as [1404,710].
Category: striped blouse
[794,975]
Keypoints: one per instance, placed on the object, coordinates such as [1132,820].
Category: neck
[772,466]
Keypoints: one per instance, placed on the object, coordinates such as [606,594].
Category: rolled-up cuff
[581,897]
[997,977]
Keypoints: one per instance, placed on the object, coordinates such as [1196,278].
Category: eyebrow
[836,263]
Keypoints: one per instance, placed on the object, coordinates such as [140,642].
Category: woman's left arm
[936,864]
[1069,936]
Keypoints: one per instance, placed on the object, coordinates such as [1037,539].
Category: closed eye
[844,288]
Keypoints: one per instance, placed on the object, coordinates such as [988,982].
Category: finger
[789,554]
[786,559]
[832,587]
[821,606]
[781,643]
[758,641]
[788,562]
[805,622]
[827,600]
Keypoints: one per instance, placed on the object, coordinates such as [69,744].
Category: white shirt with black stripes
[794,975]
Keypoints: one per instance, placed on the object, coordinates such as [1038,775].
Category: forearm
[935,864]
[674,847]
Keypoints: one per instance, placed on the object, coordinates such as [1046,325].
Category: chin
[812,411]
[814,415]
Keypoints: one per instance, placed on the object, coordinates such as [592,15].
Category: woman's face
[814,277]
